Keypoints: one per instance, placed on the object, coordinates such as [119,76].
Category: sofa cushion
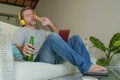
[42,71]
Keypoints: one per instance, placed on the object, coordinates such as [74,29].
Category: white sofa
[36,70]
[30,70]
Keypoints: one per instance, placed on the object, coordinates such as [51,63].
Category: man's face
[29,17]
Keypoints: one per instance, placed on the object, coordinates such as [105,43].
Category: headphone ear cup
[22,22]
[36,17]
[19,16]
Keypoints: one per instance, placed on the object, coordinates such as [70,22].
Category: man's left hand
[44,21]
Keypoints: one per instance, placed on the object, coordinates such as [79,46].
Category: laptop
[64,34]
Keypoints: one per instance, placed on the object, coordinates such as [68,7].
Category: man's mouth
[33,23]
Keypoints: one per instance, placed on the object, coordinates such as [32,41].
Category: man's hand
[28,49]
[45,21]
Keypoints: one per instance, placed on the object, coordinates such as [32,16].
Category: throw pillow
[16,53]
[64,34]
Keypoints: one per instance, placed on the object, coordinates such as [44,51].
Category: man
[51,49]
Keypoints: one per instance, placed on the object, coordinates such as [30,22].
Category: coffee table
[114,72]
[79,76]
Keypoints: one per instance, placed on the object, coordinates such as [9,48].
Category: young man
[51,49]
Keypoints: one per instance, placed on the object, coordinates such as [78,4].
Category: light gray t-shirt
[22,37]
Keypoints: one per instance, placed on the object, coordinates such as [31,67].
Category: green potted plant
[112,49]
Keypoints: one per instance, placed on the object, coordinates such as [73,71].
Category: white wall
[11,20]
[12,10]
[100,18]
[64,13]
[84,17]
[9,9]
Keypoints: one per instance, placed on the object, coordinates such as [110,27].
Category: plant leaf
[114,42]
[97,43]
[101,62]
[117,51]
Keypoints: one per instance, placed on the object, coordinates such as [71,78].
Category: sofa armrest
[6,58]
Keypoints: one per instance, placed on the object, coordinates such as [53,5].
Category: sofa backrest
[7,28]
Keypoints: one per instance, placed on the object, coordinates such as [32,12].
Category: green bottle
[31,41]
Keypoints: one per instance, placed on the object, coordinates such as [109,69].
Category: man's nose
[32,16]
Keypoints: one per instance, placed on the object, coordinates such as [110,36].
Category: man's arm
[53,28]
[46,22]
[20,48]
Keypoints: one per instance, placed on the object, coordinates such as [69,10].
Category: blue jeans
[55,50]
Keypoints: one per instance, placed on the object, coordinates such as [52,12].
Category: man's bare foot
[97,68]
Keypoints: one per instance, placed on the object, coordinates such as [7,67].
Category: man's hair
[24,9]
